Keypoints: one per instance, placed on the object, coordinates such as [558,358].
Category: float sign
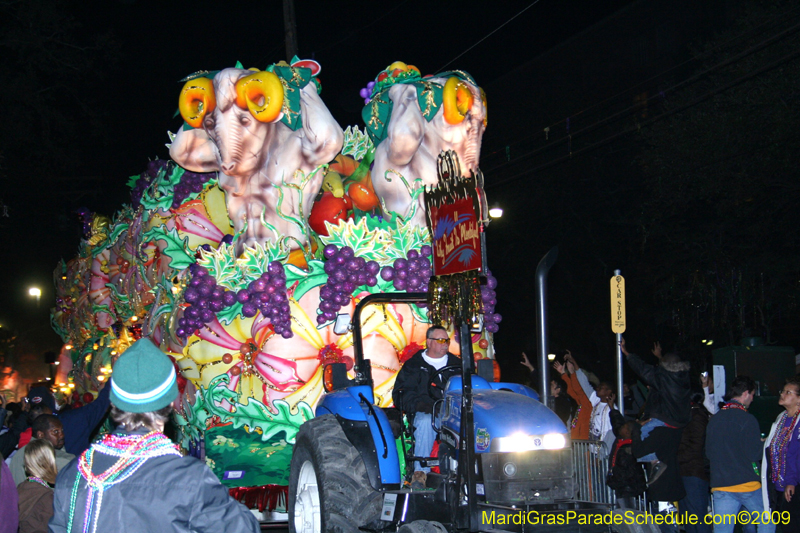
[618,304]
[456,237]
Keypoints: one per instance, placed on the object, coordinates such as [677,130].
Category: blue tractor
[500,451]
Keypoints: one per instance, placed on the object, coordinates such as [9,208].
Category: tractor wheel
[329,491]
[422,526]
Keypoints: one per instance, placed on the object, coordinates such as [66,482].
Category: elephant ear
[193,150]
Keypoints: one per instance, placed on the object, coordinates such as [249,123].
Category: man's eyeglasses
[787,391]
[441,341]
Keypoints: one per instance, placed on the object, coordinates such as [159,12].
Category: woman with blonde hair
[36,492]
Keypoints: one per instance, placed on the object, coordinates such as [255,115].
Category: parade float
[237,255]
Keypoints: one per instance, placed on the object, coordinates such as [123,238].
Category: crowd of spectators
[686,447]
[50,455]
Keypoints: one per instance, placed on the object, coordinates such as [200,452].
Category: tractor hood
[507,422]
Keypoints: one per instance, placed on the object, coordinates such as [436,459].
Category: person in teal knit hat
[135,479]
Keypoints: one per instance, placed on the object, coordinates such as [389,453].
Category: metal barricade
[591,463]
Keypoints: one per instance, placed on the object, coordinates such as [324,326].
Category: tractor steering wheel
[439,376]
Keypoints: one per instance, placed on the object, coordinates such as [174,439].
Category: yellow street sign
[618,304]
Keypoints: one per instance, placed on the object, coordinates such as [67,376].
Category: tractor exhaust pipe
[541,314]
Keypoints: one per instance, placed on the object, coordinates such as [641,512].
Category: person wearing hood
[135,479]
[670,398]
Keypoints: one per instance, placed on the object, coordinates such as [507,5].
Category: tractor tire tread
[348,500]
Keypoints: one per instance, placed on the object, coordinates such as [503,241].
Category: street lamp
[495,211]
[36,292]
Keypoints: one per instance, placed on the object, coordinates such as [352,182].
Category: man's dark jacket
[10,439]
[169,493]
[80,423]
[412,393]
[734,447]
[691,452]
[670,397]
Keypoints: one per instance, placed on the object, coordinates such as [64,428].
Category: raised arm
[645,371]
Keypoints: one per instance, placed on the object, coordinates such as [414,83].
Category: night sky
[118,64]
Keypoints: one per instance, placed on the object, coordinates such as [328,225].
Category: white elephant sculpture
[265,133]
[412,119]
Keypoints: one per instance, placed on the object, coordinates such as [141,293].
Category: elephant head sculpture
[411,120]
[265,132]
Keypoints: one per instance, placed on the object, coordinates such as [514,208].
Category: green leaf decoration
[191,425]
[356,143]
[255,414]
[177,248]
[133,179]
[101,309]
[161,191]
[221,264]
[236,273]
[377,240]
[229,314]
[116,295]
[116,231]
[306,279]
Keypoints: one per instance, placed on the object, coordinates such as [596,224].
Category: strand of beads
[778,445]
[40,481]
[133,451]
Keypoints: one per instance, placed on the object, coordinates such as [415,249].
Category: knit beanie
[144,379]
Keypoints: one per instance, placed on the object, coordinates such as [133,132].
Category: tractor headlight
[517,442]
[520,442]
[554,441]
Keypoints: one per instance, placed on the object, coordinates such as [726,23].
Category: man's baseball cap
[41,396]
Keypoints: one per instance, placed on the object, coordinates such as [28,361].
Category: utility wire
[679,109]
[778,17]
[626,112]
[365,26]
[440,69]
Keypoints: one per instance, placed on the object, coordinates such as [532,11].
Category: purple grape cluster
[345,274]
[411,274]
[206,299]
[489,297]
[190,182]
[268,295]
[366,92]
[145,179]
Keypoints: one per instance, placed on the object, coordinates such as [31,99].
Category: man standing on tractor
[419,384]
